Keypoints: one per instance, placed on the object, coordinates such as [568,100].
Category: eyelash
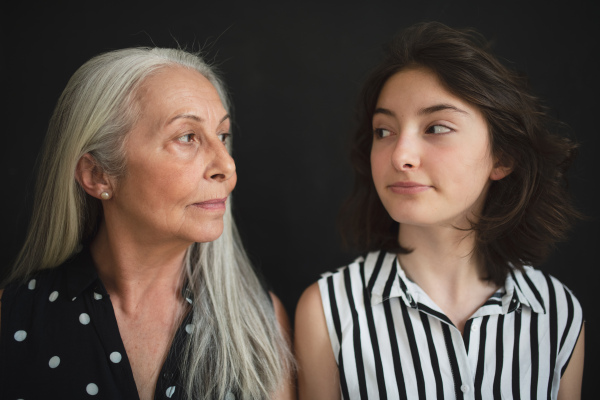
[190,135]
[222,136]
[439,133]
[379,132]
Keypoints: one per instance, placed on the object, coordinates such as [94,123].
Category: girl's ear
[502,167]
[500,172]
[92,178]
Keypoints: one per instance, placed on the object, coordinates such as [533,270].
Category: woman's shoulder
[38,280]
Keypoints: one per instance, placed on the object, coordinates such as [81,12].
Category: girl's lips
[408,187]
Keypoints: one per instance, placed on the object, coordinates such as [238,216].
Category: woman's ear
[92,178]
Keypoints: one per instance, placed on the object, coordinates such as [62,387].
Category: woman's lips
[408,187]
[215,204]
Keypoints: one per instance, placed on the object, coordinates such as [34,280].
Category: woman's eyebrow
[185,116]
[193,117]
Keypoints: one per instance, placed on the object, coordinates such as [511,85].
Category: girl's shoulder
[542,291]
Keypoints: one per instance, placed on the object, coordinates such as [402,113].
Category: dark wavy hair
[524,213]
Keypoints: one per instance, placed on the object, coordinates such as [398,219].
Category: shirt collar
[81,274]
[519,286]
[507,299]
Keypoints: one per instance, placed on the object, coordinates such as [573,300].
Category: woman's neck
[444,264]
[133,272]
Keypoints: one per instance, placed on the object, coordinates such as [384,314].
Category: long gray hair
[236,346]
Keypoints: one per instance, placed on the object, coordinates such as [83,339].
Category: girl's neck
[442,252]
[444,264]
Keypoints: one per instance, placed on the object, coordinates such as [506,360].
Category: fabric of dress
[59,339]
[391,341]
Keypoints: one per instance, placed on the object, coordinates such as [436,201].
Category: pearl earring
[105,195]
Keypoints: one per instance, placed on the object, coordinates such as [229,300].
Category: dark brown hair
[526,212]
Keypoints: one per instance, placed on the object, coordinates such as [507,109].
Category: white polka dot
[54,362]
[189,328]
[84,318]
[31,285]
[115,357]
[92,389]
[97,296]
[189,300]
[53,296]
[73,299]
[20,336]
[229,396]
[170,391]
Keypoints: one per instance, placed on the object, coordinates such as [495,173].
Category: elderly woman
[459,189]
[132,282]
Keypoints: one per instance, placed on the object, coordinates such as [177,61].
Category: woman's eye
[186,138]
[224,136]
[438,129]
[381,133]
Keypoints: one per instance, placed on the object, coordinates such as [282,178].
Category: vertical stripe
[360,367]
[535,356]
[516,371]
[499,356]
[375,272]
[338,330]
[392,334]
[553,332]
[453,361]
[569,319]
[467,334]
[414,351]
[481,359]
[334,309]
[395,351]
[435,365]
[373,333]
[534,290]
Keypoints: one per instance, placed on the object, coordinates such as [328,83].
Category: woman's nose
[222,166]
[406,154]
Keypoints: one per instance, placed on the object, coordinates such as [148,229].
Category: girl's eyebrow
[440,107]
[423,111]
[384,111]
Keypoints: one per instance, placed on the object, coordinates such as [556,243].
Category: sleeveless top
[59,339]
[391,341]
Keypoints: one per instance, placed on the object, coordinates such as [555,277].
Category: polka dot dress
[59,339]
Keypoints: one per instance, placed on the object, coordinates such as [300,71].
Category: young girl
[459,189]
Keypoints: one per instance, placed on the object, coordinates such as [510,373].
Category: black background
[294,71]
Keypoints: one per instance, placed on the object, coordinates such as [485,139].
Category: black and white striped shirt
[392,342]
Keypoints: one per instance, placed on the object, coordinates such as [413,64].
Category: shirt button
[464,388]
[474,326]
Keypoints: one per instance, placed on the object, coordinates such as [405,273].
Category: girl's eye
[224,136]
[436,129]
[381,133]
[186,138]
